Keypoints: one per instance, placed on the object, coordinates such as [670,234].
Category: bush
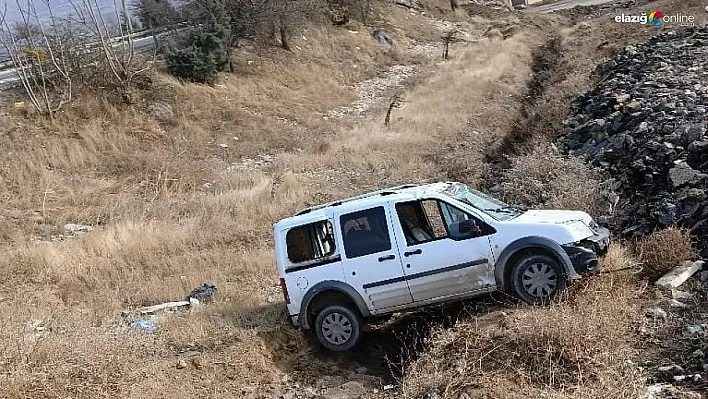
[664,249]
[546,179]
[199,54]
[575,348]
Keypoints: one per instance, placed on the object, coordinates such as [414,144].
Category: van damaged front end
[584,254]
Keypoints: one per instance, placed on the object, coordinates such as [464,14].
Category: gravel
[645,124]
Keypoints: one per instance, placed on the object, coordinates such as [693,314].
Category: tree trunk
[284,36]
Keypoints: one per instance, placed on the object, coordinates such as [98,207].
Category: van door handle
[389,257]
[416,252]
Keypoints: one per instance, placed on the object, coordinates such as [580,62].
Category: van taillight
[285,290]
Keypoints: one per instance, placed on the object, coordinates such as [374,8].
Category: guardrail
[12,80]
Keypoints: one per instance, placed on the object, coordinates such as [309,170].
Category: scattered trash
[181,363]
[224,145]
[205,293]
[146,320]
[388,387]
[148,325]
[167,306]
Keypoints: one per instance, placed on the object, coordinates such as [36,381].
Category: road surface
[563,4]
[144,44]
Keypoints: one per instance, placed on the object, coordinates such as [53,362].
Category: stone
[384,39]
[653,93]
[680,274]
[673,368]
[694,132]
[681,295]
[657,313]
[682,174]
[162,111]
[677,304]
[77,228]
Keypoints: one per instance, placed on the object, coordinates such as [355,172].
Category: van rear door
[371,259]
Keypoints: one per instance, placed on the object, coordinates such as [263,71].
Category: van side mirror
[469,227]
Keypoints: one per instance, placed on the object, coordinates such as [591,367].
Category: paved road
[563,4]
[9,77]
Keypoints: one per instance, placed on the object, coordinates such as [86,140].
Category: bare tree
[39,56]
[116,43]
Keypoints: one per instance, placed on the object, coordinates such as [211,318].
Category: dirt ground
[169,200]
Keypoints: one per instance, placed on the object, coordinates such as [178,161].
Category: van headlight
[594,227]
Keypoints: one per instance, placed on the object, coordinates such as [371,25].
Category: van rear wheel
[338,328]
[537,279]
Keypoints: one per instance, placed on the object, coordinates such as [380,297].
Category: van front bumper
[584,255]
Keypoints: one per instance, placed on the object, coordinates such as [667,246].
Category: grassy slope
[160,232]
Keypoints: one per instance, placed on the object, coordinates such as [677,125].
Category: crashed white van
[414,245]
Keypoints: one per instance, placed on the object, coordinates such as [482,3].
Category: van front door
[446,251]
[372,263]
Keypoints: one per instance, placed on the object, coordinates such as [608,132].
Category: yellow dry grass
[173,208]
[577,347]
[664,249]
[159,231]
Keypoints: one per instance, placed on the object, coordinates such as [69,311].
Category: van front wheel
[537,278]
[338,328]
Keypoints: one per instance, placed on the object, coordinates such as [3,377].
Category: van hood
[552,216]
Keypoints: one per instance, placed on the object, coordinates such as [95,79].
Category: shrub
[199,54]
[664,249]
[544,178]
[574,348]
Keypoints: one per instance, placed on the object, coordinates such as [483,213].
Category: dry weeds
[544,178]
[664,249]
[171,211]
[578,348]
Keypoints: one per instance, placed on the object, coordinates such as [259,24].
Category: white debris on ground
[371,92]
[261,161]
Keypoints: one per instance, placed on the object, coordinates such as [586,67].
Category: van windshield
[491,206]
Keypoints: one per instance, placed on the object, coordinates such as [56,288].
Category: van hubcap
[540,280]
[336,328]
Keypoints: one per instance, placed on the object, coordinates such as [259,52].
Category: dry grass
[172,209]
[544,178]
[664,249]
[576,348]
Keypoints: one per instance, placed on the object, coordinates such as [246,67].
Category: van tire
[338,328]
[537,278]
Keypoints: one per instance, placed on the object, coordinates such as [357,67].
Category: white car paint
[403,280]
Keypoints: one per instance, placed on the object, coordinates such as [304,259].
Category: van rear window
[310,242]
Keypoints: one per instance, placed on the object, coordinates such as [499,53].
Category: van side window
[365,232]
[421,221]
[310,242]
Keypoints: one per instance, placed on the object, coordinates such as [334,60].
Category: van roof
[364,201]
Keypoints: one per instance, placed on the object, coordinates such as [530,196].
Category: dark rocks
[645,124]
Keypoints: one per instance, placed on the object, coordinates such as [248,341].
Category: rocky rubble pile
[645,124]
